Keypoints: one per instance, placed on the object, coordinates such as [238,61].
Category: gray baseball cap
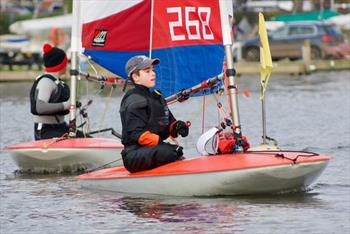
[138,63]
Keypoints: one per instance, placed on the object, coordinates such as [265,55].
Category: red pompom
[47,48]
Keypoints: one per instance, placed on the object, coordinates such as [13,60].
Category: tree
[297,6]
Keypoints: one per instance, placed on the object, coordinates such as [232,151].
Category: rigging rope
[98,92]
[54,140]
[106,107]
[281,155]
[103,166]
[203,112]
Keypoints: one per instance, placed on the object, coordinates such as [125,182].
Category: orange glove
[148,139]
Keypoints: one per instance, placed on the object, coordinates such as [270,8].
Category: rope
[221,108]
[226,120]
[174,141]
[203,113]
[106,107]
[92,66]
[98,92]
[81,118]
[54,140]
[103,166]
[281,155]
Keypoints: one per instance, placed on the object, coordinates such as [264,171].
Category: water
[303,113]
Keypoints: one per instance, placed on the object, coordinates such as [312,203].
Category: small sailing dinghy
[190,38]
[245,173]
[68,153]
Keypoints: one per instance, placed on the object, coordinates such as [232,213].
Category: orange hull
[290,170]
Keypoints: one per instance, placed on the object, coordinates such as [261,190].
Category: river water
[303,113]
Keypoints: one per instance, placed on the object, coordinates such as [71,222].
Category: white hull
[67,155]
[65,160]
[233,182]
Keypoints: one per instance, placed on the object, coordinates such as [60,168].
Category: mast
[263,109]
[151,30]
[265,70]
[75,46]
[226,10]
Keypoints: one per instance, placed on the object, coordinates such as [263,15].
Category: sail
[185,35]
[265,56]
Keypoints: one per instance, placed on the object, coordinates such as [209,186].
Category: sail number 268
[200,28]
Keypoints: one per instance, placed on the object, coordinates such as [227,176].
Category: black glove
[181,128]
[179,151]
[78,104]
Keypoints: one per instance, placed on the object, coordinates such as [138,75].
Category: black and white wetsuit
[49,99]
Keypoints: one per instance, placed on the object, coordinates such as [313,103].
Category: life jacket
[229,142]
[226,142]
[158,114]
[61,95]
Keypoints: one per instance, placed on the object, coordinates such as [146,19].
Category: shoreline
[298,67]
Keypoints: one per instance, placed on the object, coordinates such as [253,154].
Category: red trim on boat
[69,143]
[207,164]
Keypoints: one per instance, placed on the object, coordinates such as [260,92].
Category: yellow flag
[265,56]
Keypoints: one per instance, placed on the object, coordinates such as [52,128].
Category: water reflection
[207,210]
[180,211]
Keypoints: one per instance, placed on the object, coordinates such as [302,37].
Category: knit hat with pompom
[55,59]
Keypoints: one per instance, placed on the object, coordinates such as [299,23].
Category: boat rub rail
[212,164]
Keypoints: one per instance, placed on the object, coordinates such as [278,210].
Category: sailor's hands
[179,127]
[66,105]
[244,143]
[179,151]
[182,128]
[78,104]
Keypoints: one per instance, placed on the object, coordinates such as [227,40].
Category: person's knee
[135,161]
[167,153]
[147,158]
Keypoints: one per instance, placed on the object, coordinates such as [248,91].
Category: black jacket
[141,111]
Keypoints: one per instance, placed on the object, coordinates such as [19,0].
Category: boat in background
[69,153]
[190,38]
[65,155]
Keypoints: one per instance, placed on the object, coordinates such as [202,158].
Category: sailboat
[70,154]
[192,39]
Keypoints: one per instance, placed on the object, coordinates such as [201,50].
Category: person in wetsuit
[49,96]
[147,120]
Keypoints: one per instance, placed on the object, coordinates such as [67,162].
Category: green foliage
[6,19]
[68,4]
[253,17]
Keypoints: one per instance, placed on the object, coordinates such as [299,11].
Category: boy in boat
[147,120]
[49,96]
